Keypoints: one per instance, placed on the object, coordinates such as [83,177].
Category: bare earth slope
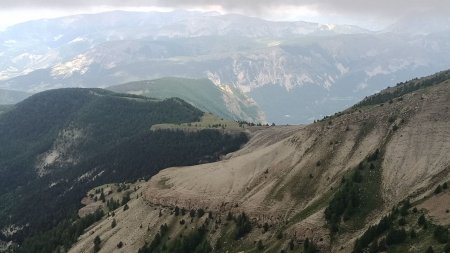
[285,176]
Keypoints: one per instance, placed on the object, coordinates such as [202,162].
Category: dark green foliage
[192,213]
[243,226]
[373,232]
[259,245]
[372,240]
[413,234]
[218,245]
[382,245]
[177,211]
[404,209]
[120,245]
[63,235]
[438,189]
[291,245]
[429,250]
[97,243]
[195,242]
[309,246]
[200,212]
[125,199]
[396,236]
[357,177]
[126,207]
[361,166]
[265,227]
[422,220]
[229,216]
[356,196]
[374,156]
[374,248]
[447,248]
[102,197]
[156,242]
[445,186]
[441,234]
[113,223]
[279,235]
[112,204]
[344,204]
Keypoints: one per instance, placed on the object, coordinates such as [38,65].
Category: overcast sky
[372,14]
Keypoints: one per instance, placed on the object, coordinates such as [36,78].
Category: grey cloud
[389,8]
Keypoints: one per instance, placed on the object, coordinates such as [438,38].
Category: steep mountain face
[8,97]
[320,185]
[40,44]
[222,100]
[59,143]
[313,68]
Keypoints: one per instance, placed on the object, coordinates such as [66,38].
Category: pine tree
[259,245]
[97,243]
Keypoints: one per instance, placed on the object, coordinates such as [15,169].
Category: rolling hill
[222,100]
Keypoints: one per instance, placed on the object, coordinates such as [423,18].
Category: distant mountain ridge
[320,69]
[222,100]
[40,44]
[12,96]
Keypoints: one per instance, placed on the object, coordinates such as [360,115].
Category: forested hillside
[57,144]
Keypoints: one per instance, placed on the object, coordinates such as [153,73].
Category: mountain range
[316,69]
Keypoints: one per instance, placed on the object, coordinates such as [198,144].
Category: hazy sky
[372,14]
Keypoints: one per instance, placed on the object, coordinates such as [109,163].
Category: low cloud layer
[381,8]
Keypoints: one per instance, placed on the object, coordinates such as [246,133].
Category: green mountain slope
[56,144]
[224,100]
